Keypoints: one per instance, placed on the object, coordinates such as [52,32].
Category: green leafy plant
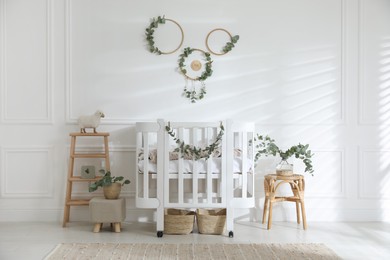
[266,146]
[150,31]
[106,180]
[192,151]
[230,45]
[193,95]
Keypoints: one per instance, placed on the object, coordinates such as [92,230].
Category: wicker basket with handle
[178,221]
[211,221]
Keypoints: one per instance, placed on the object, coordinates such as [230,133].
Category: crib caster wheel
[159,233]
[230,233]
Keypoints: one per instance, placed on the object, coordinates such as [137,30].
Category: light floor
[363,240]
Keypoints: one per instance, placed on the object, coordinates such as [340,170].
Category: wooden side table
[272,183]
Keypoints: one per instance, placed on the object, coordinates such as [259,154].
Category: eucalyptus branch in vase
[266,146]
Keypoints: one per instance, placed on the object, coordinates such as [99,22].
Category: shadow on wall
[309,94]
[384,129]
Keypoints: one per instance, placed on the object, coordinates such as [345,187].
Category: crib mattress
[201,166]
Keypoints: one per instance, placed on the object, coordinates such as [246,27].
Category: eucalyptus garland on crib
[192,151]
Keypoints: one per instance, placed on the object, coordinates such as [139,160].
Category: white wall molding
[361,65]
[47,118]
[19,179]
[2,58]
[343,80]
[365,84]
[70,117]
[330,186]
[374,169]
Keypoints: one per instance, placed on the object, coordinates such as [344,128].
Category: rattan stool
[107,211]
[271,184]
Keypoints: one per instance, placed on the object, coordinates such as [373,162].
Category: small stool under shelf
[107,211]
[297,184]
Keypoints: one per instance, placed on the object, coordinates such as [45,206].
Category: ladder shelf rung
[89,134]
[78,202]
[77,178]
[89,155]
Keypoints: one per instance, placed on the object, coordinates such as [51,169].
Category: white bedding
[215,166]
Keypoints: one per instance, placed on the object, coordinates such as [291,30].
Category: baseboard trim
[254,215]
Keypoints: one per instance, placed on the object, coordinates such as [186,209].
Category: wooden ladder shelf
[71,178]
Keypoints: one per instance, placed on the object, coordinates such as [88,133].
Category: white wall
[306,71]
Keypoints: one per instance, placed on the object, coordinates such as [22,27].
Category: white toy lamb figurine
[91,121]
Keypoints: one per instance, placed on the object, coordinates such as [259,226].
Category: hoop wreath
[191,93]
[229,45]
[207,72]
[150,37]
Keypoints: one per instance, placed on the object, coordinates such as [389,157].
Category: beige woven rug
[191,251]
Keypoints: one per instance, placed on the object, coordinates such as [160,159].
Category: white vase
[284,168]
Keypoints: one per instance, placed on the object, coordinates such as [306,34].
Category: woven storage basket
[178,222]
[284,172]
[211,221]
[284,169]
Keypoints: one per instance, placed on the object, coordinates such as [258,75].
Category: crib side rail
[240,188]
[147,140]
[194,189]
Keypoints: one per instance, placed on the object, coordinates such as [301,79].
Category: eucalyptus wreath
[192,151]
[207,72]
[228,46]
[150,37]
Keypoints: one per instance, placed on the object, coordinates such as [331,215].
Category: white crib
[225,180]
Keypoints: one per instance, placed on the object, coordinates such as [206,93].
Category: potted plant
[266,146]
[111,185]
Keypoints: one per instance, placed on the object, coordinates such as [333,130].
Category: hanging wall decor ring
[228,46]
[196,65]
[150,37]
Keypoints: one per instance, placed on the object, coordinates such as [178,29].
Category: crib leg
[160,233]
[231,234]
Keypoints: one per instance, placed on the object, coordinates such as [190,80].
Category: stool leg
[303,214]
[66,214]
[117,227]
[265,210]
[97,227]
[298,212]
[270,215]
